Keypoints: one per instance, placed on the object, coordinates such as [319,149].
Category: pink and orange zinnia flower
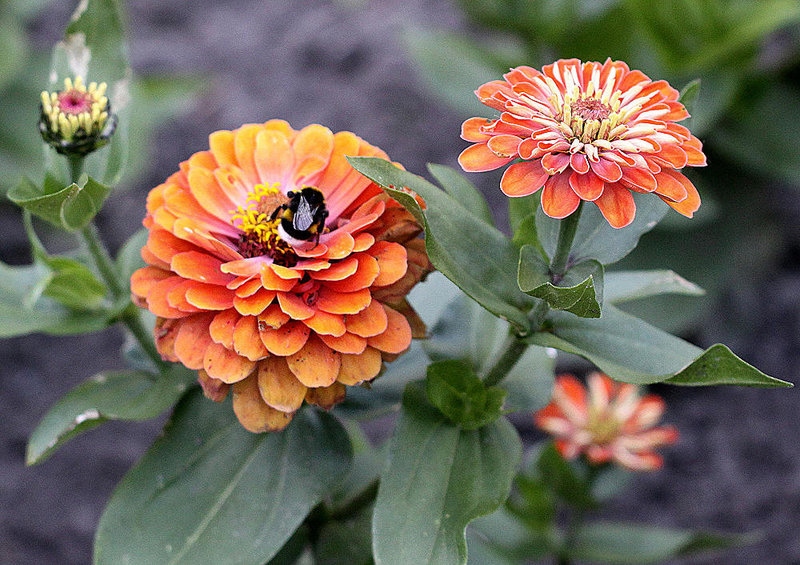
[585,131]
[610,423]
[277,319]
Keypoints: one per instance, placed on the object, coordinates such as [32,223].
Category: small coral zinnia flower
[612,423]
[278,270]
[585,131]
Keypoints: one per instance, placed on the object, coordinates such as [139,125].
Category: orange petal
[691,203]
[397,336]
[199,267]
[340,245]
[213,389]
[617,205]
[144,279]
[363,241]
[344,143]
[588,186]
[209,297]
[246,148]
[157,301]
[272,317]
[669,187]
[326,397]
[254,415]
[366,274]
[343,302]
[221,144]
[607,170]
[392,260]
[359,368]
[278,386]
[325,323]
[273,156]
[479,158]
[192,340]
[177,297]
[286,340]
[209,194]
[471,130]
[640,178]
[247,341]
[255,304]
[294,306]
[522,179]
[504,145]
[286,272]
[315,364]
[579,163]
[555,163]
[272,281]
[371,321]
[222,326]
[558,198]
[337,271]
[164,333]
[225,365]
[312,149]
[165,246]
[345,343]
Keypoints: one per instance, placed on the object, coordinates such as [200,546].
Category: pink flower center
[590,109]
[75,102]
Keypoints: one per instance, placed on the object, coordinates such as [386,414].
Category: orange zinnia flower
[585,131]
[612,424]
[281,318]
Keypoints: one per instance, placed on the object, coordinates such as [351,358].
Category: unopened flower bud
[77,120]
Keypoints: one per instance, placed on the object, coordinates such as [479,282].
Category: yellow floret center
[77,109]
[603,427]
[259,231]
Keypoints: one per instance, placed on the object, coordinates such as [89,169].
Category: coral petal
[479,158]
[272,317]
[278,386]
[286,340]
[213,389]
[522,179]
[223,364]
[294,306]
[210,297]
[325,323]
[254,304]
[371,321]
[315,364]
[346,343]
[251,411]
[222,326]
[359,368]
[588,186]
[392,261]
[397,336]
[669,187]
[366,274]
[617,205]
[689,205]
[326,397]
[607,170]
[192,340]
[246,339]
[343,302]
[199,267]
[558,198]
[471,130]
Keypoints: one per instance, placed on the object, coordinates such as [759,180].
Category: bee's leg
[277,211]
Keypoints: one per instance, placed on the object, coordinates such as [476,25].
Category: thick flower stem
[566,234]
[513,348]
[102,260]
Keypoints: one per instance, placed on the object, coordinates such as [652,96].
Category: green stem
[75,167]
[101,259]
[566,234]
[513,348]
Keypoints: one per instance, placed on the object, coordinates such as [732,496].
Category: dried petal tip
[77,120]
[609,422]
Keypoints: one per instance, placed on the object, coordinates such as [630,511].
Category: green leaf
[462,191]
[623,286]
[580,291]
[467,332]
[13,46]
[83,203]
[454,388]
[689,96]
[501,539]
[607,542]
[631,350]
[346,542]
[210,492]
[122,395]
[520,209]
[595,238]
[23,309]
[70,208]
[438,479]
[74,285]
[475,256]
[562,479]
[94,48]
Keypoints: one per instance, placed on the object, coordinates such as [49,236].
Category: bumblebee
[303,217]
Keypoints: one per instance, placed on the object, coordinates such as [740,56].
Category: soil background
[344,64]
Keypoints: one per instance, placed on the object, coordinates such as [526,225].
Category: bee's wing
[304,216]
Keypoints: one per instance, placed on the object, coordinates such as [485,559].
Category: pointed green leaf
[634,544]
[438,479]
[210,492]
[631,350]
[453,387]
[123,395]
[462,190]
[83,203]
[595,238]
[74,285]
[622,286]
[580,291]
[71,207]
[689,95]
[475,256]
